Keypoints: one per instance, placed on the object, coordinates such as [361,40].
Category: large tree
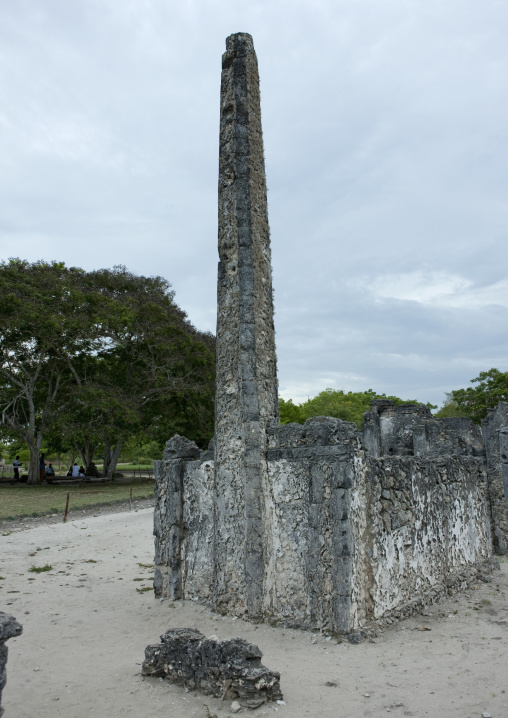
[47,320]
[348,406]
[156,365]
[474,402]
[94,357]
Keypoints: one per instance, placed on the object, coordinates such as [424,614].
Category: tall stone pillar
[246,394]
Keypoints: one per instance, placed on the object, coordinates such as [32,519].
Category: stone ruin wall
[352,535]
[321,525]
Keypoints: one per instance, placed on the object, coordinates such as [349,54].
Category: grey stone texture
[495,434]
[229,669]
[319,526]
[246,397]
[411,430]
[9,628]
[352,535]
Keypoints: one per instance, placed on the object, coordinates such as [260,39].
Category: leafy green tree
[89,358]
[474,402]
[46,321]
[450,409]
[350,406]
[157,365]
[290,413]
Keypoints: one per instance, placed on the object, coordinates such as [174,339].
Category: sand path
[86,627]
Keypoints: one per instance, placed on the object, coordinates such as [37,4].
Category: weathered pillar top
[238,38]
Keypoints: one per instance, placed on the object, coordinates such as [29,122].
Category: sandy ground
[86,627]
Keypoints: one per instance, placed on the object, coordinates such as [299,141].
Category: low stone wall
[353,538]
[314,519]
[427,519]
[348,538]
[9,628]
[184,523]
[229,669]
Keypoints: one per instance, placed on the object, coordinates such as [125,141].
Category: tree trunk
[114,459]
[89,452]
[33,465]
[107,457]
[86,451]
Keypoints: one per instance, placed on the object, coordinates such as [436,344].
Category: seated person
[50,472]
[69,473]
[75,471]
[81,471]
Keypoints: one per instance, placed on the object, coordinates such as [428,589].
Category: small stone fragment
[354,638]
[226,669]
[9,628]
[235,707]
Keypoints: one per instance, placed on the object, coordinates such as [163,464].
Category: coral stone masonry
[246,393]
[320,526]
[9,628]
[229,669]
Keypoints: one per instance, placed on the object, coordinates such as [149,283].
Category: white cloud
[436,288]
[385,128]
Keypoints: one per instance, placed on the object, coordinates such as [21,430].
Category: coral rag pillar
[9,628]
[246,394]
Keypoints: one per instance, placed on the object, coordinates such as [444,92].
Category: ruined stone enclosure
[322,525]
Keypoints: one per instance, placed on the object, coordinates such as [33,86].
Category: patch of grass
[142,590]
[146,565]
[21,500]
[40,569]
[89,560]
[2,578]
[486,602]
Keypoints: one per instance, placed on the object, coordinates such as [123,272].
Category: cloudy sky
[385,127]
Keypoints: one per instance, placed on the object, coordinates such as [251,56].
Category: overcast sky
[385,128]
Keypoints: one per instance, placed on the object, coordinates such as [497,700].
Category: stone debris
[230,670]
[9,628]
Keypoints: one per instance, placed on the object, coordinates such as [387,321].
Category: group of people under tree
[48,472]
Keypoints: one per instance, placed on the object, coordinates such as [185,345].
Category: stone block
[9,628]
[230,669]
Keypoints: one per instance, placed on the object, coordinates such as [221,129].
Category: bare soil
[87,621]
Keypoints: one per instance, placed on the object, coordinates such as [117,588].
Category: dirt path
[86,626]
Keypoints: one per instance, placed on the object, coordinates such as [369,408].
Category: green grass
[22,500]
[40,569]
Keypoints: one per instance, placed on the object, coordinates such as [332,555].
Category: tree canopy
[92,358]
[348,406]
[474,402]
